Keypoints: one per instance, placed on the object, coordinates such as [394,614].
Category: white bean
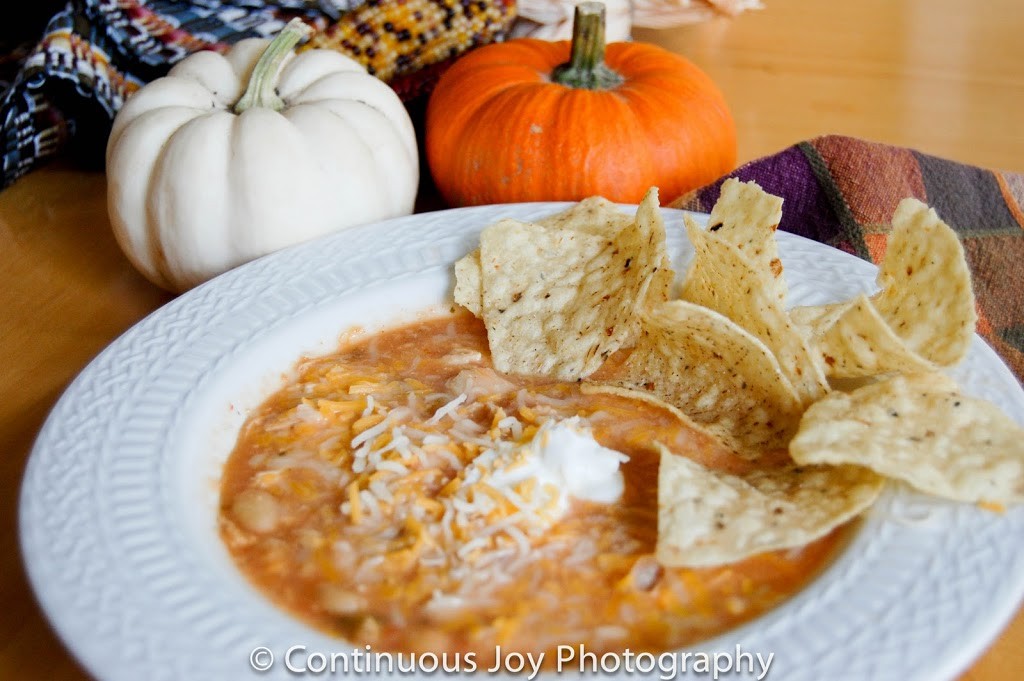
[257,510]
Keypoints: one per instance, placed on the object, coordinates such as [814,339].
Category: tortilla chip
[558,302]
[692,436]
[598,215]
[641,396]
[922,430]
[468,283]
[815,319]
[594,215]
[723,279]
[923,317]
[854,340]
[708,518]
[716,373]
[926,294]
[654,250]
[747,216]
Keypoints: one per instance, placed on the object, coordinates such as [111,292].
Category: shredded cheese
[507,485]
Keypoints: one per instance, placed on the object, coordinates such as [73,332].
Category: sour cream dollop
[541,475]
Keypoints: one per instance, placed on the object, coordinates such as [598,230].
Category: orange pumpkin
[530,120]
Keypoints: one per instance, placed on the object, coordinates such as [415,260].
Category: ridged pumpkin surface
[499,130]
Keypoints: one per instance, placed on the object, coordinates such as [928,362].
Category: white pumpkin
[225,160]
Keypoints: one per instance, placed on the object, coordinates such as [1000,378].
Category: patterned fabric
[843,191]
[95,53]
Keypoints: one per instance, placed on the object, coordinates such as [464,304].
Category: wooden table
[944,76]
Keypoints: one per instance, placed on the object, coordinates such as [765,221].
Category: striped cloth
[842,192]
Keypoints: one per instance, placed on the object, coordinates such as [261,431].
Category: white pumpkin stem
[261,90]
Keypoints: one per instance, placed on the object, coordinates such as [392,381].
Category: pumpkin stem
[261,89]
[586,68]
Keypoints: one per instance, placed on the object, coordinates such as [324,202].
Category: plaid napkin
[65,91]
[842,191]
